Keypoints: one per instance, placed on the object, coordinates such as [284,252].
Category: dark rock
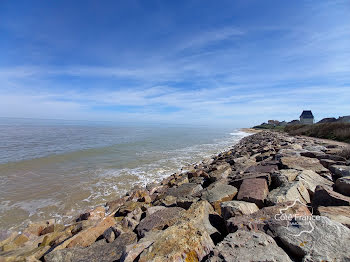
[187,189]
[238,179]
[340,171]
[326,197]
[342,185]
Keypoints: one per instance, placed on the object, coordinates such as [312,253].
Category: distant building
[307,118]
[327,120]
[344,119]
[294,122]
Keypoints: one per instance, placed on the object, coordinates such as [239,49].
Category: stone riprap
[271,197]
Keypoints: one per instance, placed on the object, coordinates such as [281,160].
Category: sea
[59,169]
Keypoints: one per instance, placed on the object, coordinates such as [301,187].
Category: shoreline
[158,213]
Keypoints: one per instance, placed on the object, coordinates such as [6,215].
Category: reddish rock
[262,169]
[239,178]
[254,190]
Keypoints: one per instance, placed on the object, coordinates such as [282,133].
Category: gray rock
[237,208]
[187,189]
[340,214]
[303,163]
[159,220]
[219,174]
[311,179]
[340,171]
[217,193]
[99,251]
[248,246]
[319,239]
[342,185]
[253,190]
[289,192]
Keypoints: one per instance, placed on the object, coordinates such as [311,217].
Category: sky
[195,62]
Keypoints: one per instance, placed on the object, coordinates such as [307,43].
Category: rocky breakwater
[272,197]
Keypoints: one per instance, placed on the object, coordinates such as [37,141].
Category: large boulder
[220,173]
[159,220]
[188,240]
[289,192]
[342,185]
[253,190]
[311,179]
[291,174]
[187,189]
[340,171]
[248,246]
[258,220]
[237,208]
[317,239]
[303,163]
[99,251]
[340,214]
[262,169]
[324,196]
[217,193]
[238,179]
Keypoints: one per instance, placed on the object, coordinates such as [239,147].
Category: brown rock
[253,190]
[239,178]
[342,185]
[303,163]
[36,228]
[237,208]
[95,214]
[262,169]
[187,189]
[339,214]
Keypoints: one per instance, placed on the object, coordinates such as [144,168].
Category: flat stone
[248,246]
[340,171]
[331,157]
[99,251]
[188,240]
[154,209]
[311,179]
[340,214]
[258,220]
[326,197]
[217,193]
[303,163]
[253,190]
[237,208]
[187,189]
[319,239]
[159,220]
[342,185]
[289,192]
[115,204]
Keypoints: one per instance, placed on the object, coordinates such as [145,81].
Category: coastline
[142,223]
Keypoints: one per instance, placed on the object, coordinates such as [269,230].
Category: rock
[167,201]
[95,214]
[154,209]
[36,228]
[262,169]
[303,163]
[258,220]
[109,235]
[340,171]
[340,214]
[99,251]
[87,237]
[248,246]
[237,208]
[326,197]
[188,240]
[130,206]
[131,252]
[331,157]
[217,193]
[311,179]
[115,204]
[253,190]
[159,220]
[186,202]
[291,174]
[52,228]
[220,174]
[178,181]
[187,189]
[129,223]
[342,185]
[319,239]
[289,192]
[239,178]
[136,214]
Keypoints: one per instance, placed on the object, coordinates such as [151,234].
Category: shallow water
[61,168]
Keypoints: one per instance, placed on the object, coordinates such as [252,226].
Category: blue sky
[213,62]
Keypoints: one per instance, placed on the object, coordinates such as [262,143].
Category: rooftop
[307,114]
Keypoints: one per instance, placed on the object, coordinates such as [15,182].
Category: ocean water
[58,169]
